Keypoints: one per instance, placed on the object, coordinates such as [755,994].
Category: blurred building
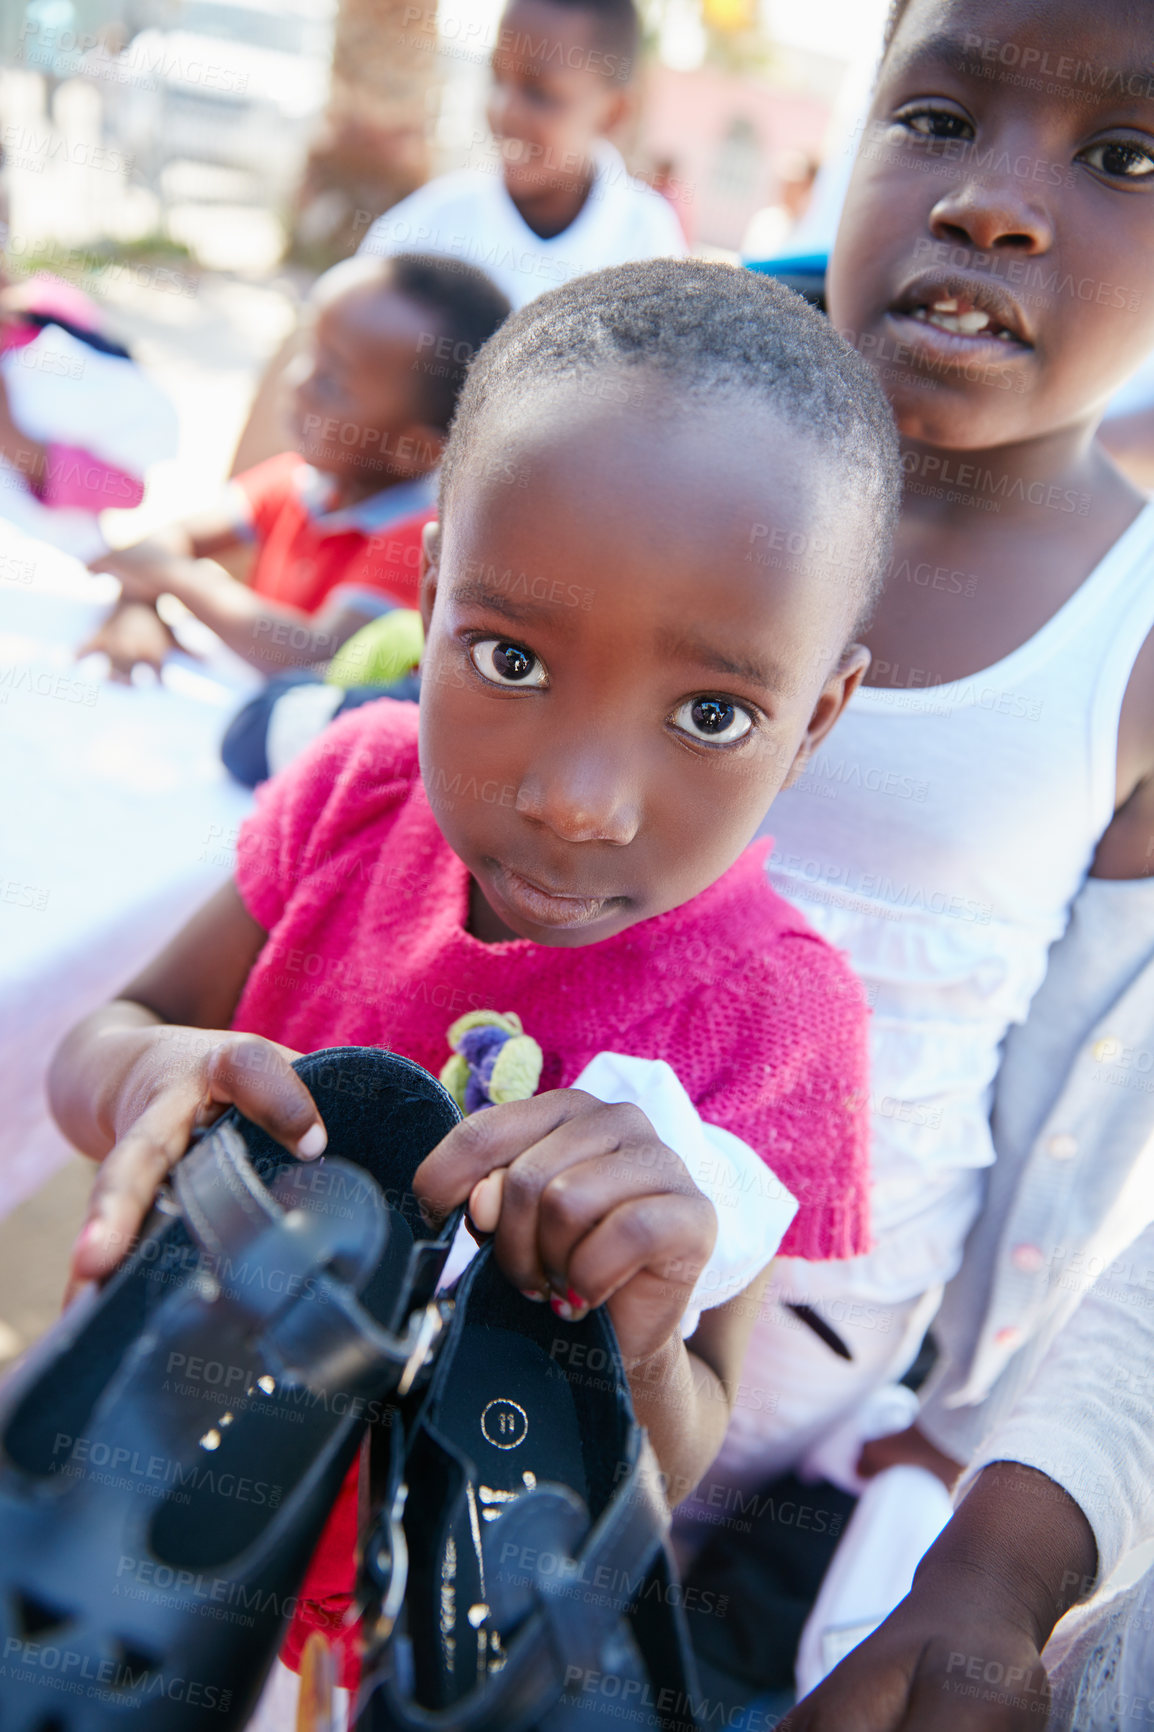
[722,133]
[316,115]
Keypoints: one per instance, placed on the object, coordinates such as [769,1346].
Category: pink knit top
[365,905]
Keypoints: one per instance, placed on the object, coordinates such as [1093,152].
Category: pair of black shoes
[170,1452]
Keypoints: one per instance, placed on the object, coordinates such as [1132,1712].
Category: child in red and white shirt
[337,522]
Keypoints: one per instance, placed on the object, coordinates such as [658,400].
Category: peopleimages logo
[82,1454]
[1041,63]
[30,149]
[1001,484]
[50,1666]
[147,64]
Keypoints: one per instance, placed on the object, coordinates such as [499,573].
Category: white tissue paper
[754,1209]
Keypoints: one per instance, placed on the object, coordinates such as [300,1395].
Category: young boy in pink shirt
[617,680]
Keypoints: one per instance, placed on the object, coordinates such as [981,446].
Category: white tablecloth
[117,820]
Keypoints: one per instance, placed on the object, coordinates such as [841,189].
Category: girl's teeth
[947,319]
[948,305]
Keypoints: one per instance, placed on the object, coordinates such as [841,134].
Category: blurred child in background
[550,198]
[80,422]
[337,521]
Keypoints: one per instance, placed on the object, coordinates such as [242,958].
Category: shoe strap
[567,1632]
[291,1271]
[223,1202]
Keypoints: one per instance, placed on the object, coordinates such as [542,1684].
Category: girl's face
[624,659]
[994,257]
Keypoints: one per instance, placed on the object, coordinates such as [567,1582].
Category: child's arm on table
[133,633]
[141,566]
[268,634]
[962,1653]
[132,1081]
[588,1207]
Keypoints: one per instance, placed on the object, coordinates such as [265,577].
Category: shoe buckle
[424,1331]
[390,1567]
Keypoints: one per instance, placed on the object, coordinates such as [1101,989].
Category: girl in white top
[547,197]
[1003,745]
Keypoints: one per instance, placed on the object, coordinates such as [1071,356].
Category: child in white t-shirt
[548,197]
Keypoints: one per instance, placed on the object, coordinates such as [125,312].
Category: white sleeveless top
[939,837]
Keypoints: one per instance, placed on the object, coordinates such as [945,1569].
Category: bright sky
[850,29]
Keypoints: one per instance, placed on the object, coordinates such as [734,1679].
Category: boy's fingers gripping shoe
[171,1450]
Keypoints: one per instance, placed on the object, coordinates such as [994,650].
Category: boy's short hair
[615,28]
[710,330]
[466,308]
[894,17]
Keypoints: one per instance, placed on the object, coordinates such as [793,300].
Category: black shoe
[170,1451]
[518,1576]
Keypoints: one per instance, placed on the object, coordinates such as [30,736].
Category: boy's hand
[133,635]
[587,1207]
[921,1673]
[144,571]
[182,1079]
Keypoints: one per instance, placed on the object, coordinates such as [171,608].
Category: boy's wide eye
[1121,159]
[935,123]
[507,664]
[713,719]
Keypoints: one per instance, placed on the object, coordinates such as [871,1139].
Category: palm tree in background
[373,145]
